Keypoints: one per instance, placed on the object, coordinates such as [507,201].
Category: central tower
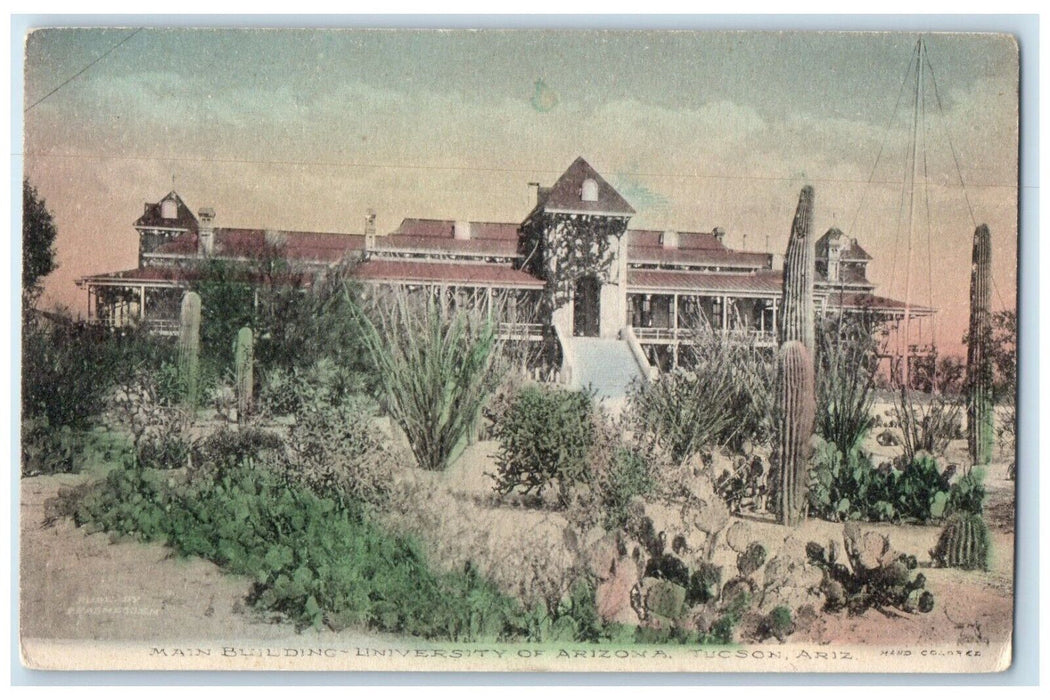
[573,239]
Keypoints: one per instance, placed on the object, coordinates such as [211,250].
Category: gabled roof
[566,194]
[152,218]
[444,228]
[849,252]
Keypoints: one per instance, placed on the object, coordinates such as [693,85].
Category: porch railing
[686,335]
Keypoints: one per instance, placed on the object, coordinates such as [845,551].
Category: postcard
[518,350]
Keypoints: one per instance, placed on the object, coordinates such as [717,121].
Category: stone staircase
[606,365]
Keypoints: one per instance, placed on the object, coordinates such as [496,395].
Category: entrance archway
[587,307]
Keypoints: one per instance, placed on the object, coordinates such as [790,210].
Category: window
[589,192]
[168,209]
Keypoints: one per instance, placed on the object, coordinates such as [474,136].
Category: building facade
[572,270]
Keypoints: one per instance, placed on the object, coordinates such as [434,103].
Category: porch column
[142,303]
[725,314]
[674,315]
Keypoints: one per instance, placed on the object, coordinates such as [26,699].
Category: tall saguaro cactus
[244,357]
[797,392]
[189,349]
[980,414]
[796,320]
[797,410]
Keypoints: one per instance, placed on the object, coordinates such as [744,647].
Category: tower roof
[566,195]
[153,215]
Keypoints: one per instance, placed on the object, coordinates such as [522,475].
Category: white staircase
[606,365]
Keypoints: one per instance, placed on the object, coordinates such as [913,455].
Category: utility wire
[82,70]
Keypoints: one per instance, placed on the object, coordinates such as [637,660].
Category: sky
[307,129]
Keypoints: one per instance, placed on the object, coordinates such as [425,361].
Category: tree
[38,242]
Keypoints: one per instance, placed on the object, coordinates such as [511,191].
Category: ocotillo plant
[980,415]
[797,410]
[796,319]
[244,357]
[189,349]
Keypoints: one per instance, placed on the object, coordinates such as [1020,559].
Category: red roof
[864,300]
[566,194]
[253,243]
[190,274]
[687,240]
[443,228]
[432,244]
[450,273]
[766,282]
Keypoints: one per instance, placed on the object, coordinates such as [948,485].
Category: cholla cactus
[798,409]
[980,413]
[796,321]
[189,349]
[243,360]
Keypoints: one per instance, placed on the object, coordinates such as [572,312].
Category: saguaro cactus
[244,357]
[796,319]
[797,410]
[980,415]
[189,349]
[797,397]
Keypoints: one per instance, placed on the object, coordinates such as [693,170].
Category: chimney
[206,232]
[370,229]
[720,233]
[776,261]
[669,239]
[461,231]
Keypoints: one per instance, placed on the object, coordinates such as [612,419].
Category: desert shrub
[927,425]
[226,450]
[545,438]
[629,476]
[850,487]
[284,392]
[872,576]
[164,450]
[313,559]
[721,394]
[847,362]
[336,449]
[437,366]
[746,485]
[51,451]
[69,368]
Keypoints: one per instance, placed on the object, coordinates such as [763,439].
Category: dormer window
[589,192]
[168,209]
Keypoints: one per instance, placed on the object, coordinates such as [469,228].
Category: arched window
[168,209]
[589,192]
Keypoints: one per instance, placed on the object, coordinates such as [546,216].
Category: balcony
[662,336]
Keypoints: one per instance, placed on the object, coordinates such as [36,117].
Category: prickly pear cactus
[244,359]
[797,410]
[964,543]
[980,413]
[189,349]
[796,320]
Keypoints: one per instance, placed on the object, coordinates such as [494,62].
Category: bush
[545,437]
[336,449]
[313,559]
[722,394]
[69,368]
[847,362]
[51,451]
[927,426]
[850,487]
[437,367]
[629,475]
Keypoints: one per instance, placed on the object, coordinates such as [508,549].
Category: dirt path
[79,586]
